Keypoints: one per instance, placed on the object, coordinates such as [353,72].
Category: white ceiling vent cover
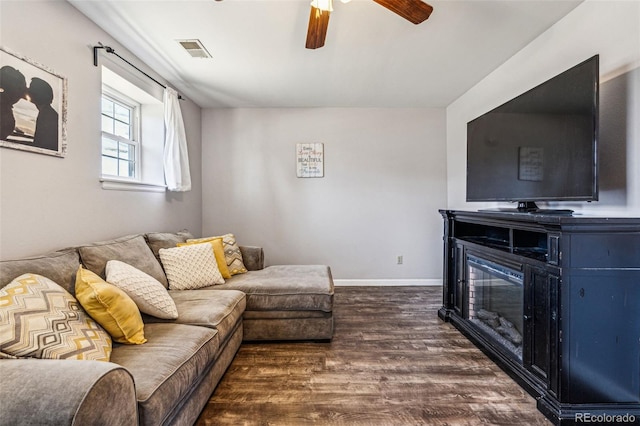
[195,48]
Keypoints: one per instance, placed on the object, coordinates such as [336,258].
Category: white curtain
[176,156]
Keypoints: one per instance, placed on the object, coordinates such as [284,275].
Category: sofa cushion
[232,252]
[190,267]
[252,257]
[40,319]
[132,249]
[60,267]
[150,296]
[110,307]
[285,288]
[167,368]
[160,240]
[220,310]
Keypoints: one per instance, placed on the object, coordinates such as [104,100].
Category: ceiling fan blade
[317,30]
[415,11]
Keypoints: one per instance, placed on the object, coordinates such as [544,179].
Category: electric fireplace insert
[495,295]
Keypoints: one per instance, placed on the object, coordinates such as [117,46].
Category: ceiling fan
[415,11]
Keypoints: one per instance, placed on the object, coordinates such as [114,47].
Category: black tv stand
[580,309]
[530,207]
[559,212]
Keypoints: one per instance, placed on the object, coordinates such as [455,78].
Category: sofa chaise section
[286,302]
[283,302]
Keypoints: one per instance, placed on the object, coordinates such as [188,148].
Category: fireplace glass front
[496,303]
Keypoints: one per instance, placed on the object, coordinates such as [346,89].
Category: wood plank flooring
[391,362]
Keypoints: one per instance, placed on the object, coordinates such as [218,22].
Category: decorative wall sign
[33,106]
[310,160]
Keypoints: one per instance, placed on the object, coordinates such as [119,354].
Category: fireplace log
[492,319]
[508,330]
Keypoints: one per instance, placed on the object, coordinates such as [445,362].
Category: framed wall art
[310,160]
[33,106]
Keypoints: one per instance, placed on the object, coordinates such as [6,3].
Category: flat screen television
[539,146]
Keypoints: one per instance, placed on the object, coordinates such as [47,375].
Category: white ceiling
[372,57]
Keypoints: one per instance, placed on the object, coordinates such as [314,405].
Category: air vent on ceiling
[195,48]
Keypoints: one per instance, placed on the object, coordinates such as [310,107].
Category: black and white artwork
[32,106]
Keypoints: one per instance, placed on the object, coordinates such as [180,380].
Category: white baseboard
[389,283]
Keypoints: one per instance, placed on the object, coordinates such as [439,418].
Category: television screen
[541,145]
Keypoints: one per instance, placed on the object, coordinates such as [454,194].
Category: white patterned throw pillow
[190,267]
[147,292]
[40,319]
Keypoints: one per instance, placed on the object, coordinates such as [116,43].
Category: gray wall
[48,202]
[385,179]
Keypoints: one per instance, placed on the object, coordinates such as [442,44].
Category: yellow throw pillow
[232,253]
[218,251]
[110,307]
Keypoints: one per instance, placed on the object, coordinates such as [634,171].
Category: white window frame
[119,98]
[130,90]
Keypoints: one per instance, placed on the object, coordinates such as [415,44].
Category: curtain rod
[113,52]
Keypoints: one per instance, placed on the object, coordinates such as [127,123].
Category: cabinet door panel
[540,353]
[460,288]
[603,363]
[540,324]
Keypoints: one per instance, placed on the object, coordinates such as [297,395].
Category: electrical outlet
[400,260]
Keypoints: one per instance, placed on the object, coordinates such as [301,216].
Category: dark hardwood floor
[391,362]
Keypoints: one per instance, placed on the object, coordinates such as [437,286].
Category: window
[120,136]
[132,142]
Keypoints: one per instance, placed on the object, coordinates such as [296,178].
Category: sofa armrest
[66,392]
[252,257]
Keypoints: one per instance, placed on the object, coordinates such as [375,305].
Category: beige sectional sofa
[168,379]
